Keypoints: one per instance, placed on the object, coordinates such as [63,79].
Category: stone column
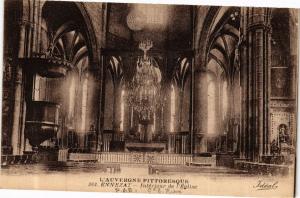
[293,31]
[117,109]
[7,106]
[200,111]
[167,108]
[294,60]
[244,83]
[28,44]
[101,85]
[257,85]
[177,116]
[16,134]
[93,106]
[18,86]
[167,117]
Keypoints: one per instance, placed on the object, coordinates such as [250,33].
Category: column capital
[255,26]
[258,18]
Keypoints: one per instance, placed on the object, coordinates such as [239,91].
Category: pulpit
[41,122]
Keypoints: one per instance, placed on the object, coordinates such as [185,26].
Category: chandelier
[144,89]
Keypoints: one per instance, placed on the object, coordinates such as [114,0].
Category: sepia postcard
[149,98]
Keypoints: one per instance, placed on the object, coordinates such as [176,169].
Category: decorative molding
[261,25]
[282,104]
[281,117]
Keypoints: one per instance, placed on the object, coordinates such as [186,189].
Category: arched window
[172,120]
[71,97]
[154,123]
[84,102]
[211,126]
[224,99]
[122,110]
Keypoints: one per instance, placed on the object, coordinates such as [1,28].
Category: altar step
[132,158]
[144,158]
[262,168]
[70,167]
[203,161]
[87,166]
[157,169]
[199,164]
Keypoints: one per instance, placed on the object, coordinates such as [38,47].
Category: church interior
[150,84]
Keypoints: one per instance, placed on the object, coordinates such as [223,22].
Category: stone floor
[86,176]
[137,169]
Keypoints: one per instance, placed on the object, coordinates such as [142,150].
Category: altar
[145,147]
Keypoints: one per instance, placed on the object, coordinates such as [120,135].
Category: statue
[275,150]
[284,141]
[283,134]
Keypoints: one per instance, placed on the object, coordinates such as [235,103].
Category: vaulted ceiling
[165,25]
[170,27]
[224,38]
[67,33]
